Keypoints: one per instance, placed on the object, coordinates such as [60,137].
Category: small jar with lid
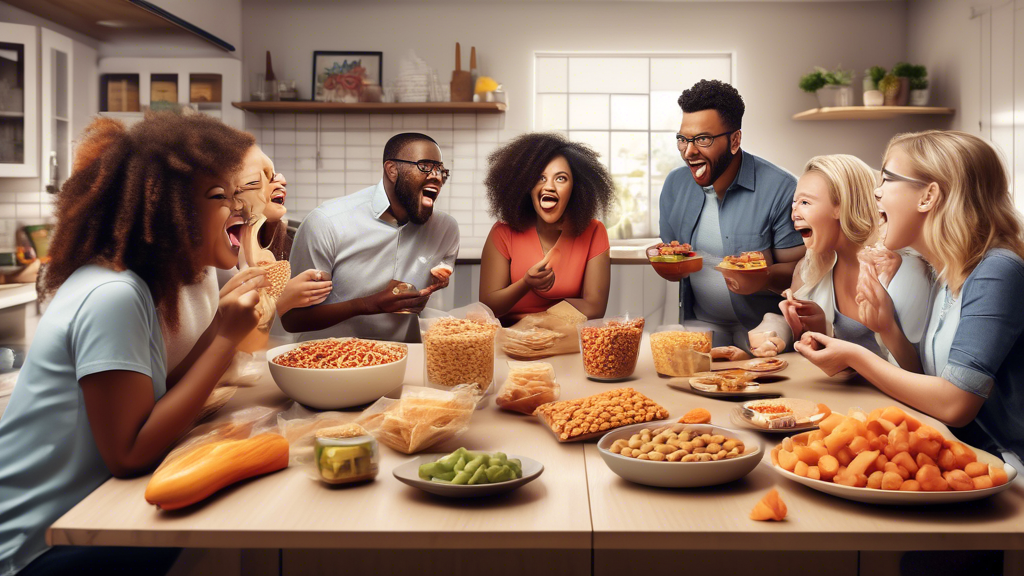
[346,454]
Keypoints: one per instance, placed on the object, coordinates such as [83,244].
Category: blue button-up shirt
[753,215]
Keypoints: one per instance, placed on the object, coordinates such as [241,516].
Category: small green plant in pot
[872,95]
[891,87]
[832,87]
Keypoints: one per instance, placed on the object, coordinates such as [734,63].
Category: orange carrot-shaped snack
[771,507]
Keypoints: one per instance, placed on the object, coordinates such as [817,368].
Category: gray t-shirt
[99,320]
[347,237]
[711,300]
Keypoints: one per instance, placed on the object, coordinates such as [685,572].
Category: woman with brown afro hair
[546,192]
[144,212]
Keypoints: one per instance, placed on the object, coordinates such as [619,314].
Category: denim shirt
[754,215]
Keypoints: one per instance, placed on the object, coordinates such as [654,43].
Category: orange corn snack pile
[696,416]
[771,507]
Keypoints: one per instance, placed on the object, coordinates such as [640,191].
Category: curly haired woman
[546,247]
[143,214]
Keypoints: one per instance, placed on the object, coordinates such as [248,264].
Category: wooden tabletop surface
[577,503]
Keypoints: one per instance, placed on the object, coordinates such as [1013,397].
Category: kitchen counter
[626,254]
[576,506]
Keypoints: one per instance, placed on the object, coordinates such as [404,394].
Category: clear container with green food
[344,456]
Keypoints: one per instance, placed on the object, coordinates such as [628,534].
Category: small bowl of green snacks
[468,474]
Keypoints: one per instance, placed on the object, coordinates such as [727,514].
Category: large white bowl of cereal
[338,372]
[671,455]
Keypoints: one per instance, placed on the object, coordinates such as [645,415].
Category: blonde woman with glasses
[945,195]
[834,212]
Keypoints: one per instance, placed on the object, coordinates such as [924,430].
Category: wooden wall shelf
[306,107]
[870,112]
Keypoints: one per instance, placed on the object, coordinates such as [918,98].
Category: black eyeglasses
[701,141]
[427,166]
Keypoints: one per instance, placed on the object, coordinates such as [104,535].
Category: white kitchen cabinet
[57,53]
[19,121]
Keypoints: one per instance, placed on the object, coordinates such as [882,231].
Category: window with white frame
[624,107]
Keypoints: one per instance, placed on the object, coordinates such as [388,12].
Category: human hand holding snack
[391,300]
[541,276]
[307,289]
[440,275]
[237,307]
[745,274]
[877,312]
[766,344]
[802,315]
[728,353]
[829,354]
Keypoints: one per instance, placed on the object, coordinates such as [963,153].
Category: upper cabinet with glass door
[57,70]
[19,123]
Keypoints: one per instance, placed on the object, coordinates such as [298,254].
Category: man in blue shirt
[725,201]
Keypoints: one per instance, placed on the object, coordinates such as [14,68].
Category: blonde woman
[945,195]
[835,213]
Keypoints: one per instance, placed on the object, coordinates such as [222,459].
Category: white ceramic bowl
[681,474]
[328,389]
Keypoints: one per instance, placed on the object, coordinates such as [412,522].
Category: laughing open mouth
[430,194]
[278,198]
[233,228]
[698,168]
[548,201]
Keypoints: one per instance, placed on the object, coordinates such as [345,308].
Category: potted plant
[904,72]
[872,95]
[832,87]
[919,86]
[890,86]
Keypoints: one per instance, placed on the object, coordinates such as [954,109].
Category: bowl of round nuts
[671,455]
[610,347]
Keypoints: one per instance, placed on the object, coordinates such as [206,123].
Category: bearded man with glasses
[385,248]
[723,202]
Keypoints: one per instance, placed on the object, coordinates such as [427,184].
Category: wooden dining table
[578,517]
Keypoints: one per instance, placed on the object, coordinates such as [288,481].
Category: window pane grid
[635,137]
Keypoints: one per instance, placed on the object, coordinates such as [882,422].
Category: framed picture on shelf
[343,76]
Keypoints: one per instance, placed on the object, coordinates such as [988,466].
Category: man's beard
[409,197]
[720,164]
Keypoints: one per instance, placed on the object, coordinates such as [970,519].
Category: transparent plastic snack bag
[529,385]
[421,417]
[543,334]
[458,346]
[680,352]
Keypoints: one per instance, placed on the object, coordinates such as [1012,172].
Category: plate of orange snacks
[889,457]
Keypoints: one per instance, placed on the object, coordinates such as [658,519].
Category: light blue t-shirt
[99,320]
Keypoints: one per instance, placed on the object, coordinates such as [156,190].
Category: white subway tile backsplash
[305,137]
[285,165]
[366,178]
[462,190]
[282,151]
[27,210]
[332,164]
[284,121]
[484,150]
[486,135]
[462,216]
[443,137]
[481,205]
[332,137]
[46,210]
[9,197]
[268,149]
[357,122]
[464,149]
[484,121]
[412,121]
[7,211]
[481,164]
[305,164]
[363,152]
[380,121]
[357,138]
[305,121]
[306,177]
[29,197]
[462,164]
[332,121]
[467,136]
[302,191]
[482,230]
[465,121]
[364,165]
[327,191]
[440,122]
[465,230]
[284,136]
[332,151]
[330,177]
[305,152]
[306,204]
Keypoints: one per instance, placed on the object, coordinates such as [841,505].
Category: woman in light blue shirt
[945,194]
[142,215]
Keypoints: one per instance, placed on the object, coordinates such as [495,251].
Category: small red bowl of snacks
[674,261]
[746,273]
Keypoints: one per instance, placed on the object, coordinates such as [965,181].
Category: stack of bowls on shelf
[413,82]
